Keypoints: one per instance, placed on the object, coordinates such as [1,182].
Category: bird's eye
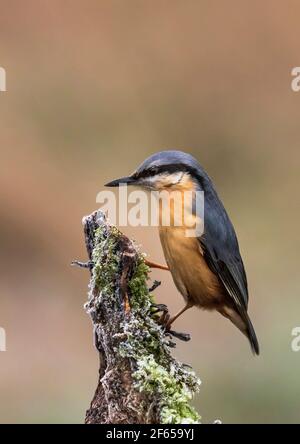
[153,170]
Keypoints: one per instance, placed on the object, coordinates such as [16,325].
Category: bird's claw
[154,286]
[164,320]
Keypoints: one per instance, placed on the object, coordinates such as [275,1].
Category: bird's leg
[155,265]
[166,321]
[171,320]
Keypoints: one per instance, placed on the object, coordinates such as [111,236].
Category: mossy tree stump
[139,380]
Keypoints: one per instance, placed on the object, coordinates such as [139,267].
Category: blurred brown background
[93,87]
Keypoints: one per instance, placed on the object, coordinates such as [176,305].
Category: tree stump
[140,382]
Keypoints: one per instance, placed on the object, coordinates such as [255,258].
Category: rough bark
[139,380]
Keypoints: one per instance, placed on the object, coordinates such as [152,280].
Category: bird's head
[172,170]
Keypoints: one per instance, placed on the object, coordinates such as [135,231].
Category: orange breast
[190,272]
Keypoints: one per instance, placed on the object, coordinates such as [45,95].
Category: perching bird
[207,270]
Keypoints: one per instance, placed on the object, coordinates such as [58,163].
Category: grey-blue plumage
[222,254]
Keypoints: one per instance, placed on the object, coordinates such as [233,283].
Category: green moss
[105,259]
[156,373]
[174,390]
[140,296]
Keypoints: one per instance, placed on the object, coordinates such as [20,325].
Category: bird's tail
[251,335]
[244,324]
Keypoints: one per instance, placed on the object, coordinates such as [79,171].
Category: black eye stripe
[168,169]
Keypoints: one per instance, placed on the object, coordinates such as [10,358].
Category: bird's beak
[128,180]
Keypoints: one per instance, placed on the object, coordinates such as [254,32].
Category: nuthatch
[207,270]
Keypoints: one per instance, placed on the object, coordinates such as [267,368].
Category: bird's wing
[221,252]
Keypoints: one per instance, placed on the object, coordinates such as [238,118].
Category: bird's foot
[166,321]
[155,265]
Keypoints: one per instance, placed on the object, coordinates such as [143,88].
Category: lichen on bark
[140,381]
